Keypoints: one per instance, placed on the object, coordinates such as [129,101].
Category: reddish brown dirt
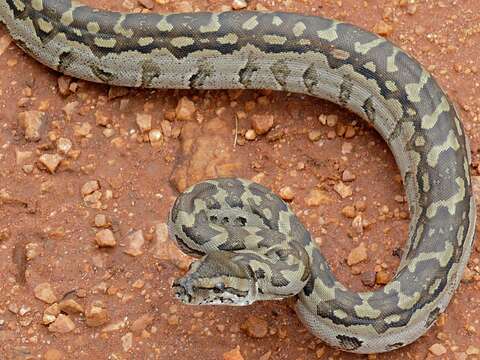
[48,210]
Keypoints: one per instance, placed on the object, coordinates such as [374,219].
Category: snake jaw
[183,290]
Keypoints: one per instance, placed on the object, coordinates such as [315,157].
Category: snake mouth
[181,289]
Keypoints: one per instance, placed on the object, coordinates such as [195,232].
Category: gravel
[45,293]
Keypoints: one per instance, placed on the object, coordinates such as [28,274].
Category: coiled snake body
[255,247]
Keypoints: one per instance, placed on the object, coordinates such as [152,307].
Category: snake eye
[218,288]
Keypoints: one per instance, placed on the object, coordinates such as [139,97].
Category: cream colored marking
[77,32]
[340,314]
[67,17]
[365,48]
[19,5]
[299,29]
[340,54]
[392,318]
[466,168]
[304,42]
[457,123]
[419,141]
[277,21]
[37,5]
[105,43]
[426,183]
[164,26]
[231,38]
[182,41]
[212,26]
[44,25]
[406,302]
[119,29]
[443,257]
[329,34]
[450,143]
[434,286]
[411,112]
[413,89]
[429,121]
[460,233]
[93,27]
[250,24]
[145,41]
[391,66]
[327,293]
[370,66]
[391,85]
[449,203]
[274,39]
[408,131]
[366,310]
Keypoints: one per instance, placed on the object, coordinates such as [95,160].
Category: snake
[251,246]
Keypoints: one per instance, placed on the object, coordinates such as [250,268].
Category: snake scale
[252,246]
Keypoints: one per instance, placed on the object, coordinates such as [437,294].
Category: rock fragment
[357,255]
[50,161]
[105,238]
[62,325]
[45,293]
[31,122]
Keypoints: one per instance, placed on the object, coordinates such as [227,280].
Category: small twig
[236,132]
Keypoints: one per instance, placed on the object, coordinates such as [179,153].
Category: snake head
[216,280]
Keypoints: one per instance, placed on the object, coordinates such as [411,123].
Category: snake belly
[315,56]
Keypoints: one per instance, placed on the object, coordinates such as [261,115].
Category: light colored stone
[155,137]
[286,193]
[89,187]
[382,28]
[317,197]
[233,354]
[144,122]
[185,109]
[32,250]
[250,134]
[22,156]
[105,238]
[135,241]
[357,255]
[64,145]
[96,316]
[239,4]
[343,190]
[45,293]
[262,123]
[70,307]
[314,135]
[473,350]
[82,130]
[50,314]
[62,325]
[127,341]
[101,221]
[31,122]
[437,349]
[348,176]
[50,161]
[349,212]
